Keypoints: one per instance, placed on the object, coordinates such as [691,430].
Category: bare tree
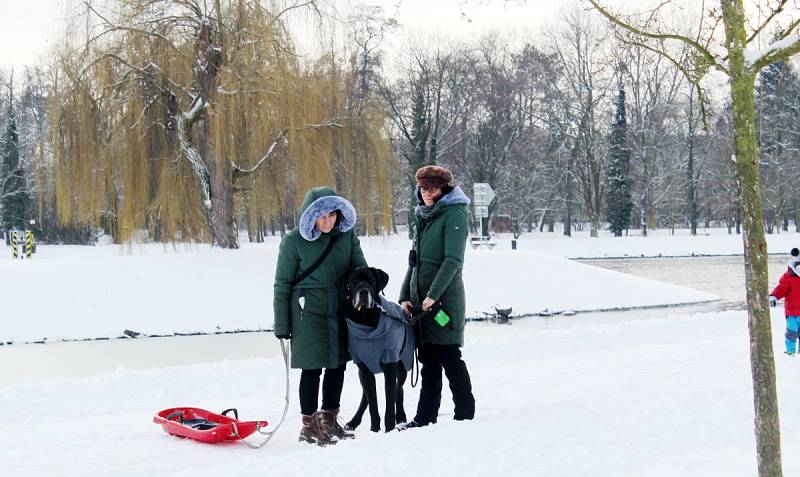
[579,47]
[736,61]
[428,103]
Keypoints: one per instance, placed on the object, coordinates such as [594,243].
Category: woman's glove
[773,302]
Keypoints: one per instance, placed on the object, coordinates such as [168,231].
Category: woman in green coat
[434,280]
[308,309]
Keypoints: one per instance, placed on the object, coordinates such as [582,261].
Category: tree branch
[142,71]
[239,171]
[695,82]
[761,27]
[777,51]
[703,51]
[114,27]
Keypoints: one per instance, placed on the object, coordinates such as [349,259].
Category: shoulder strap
[317,263]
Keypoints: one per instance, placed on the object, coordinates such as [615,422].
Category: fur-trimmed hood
[318,202]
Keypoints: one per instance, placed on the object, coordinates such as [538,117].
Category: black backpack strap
[317,263]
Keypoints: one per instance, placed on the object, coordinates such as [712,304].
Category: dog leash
[270,434]
[415,361]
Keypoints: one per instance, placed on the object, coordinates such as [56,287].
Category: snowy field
[651,398]
[642,397]
[71,292]
[658,243]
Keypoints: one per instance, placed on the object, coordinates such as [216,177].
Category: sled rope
[271,433]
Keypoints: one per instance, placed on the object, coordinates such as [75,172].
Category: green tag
[442,318]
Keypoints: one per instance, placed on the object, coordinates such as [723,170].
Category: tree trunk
[209,55]
[797,214]
[223,225]
[691,192]
[767,422]
[594,228]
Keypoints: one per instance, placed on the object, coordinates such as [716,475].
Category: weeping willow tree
[174,115]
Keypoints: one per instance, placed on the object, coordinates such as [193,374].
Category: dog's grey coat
[392,340]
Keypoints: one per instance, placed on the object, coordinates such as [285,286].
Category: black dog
[380,340]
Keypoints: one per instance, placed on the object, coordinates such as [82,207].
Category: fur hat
[434,177]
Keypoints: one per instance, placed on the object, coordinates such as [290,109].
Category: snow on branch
[778,50]
[239,171]
[185,121]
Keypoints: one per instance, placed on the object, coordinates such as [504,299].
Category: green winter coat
[439,242]
[318,330]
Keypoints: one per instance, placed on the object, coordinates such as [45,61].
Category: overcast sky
[29,28]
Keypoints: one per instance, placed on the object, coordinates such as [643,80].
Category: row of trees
[580,128]
[189,119]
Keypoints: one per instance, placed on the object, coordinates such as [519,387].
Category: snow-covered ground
[658,243]
[642,397]
[639,398]
[70,292]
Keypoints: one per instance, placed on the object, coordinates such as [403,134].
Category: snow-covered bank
[68,293]
[656,397]
[658,243]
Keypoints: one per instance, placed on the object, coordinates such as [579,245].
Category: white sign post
[484,195]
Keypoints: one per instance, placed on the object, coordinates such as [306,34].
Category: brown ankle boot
[332,426]
[314,431]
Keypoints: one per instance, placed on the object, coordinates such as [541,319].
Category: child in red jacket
[789,289]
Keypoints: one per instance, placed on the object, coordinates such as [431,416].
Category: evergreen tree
[419,133]
[777,108]
[619,198]
[15,199]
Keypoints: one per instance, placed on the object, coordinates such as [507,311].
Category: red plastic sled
[206,426]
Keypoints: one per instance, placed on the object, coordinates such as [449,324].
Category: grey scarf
[424,211]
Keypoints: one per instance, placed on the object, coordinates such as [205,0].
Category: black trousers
[332,385]
[434,358]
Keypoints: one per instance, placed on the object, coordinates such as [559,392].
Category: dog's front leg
[362,406]
[390,389]
[368,385]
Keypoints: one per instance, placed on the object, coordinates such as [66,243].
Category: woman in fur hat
[433,280]
[307,308]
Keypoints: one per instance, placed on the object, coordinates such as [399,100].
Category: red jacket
[789,287]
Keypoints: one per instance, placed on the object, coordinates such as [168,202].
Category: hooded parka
[439,241]
[317,328]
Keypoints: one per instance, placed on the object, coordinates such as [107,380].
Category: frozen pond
[722,275]
[87,358]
